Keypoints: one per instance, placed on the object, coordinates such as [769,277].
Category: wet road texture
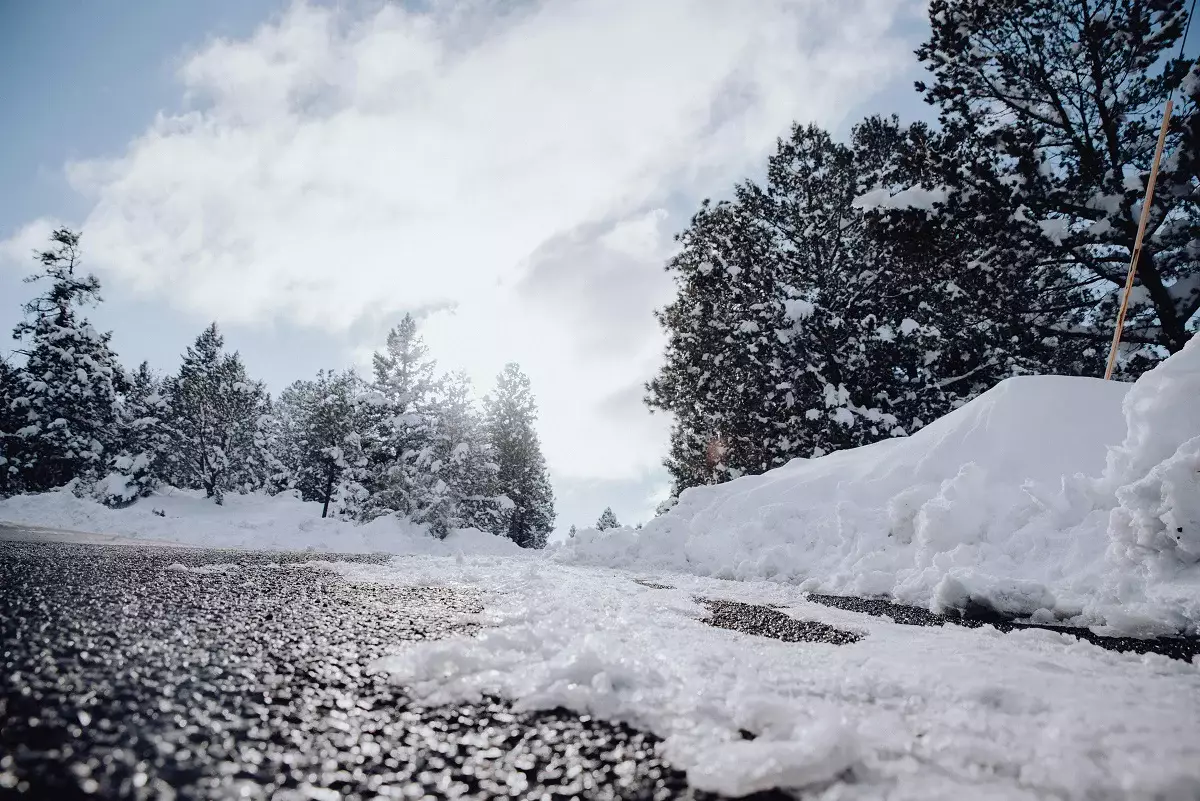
[124,678]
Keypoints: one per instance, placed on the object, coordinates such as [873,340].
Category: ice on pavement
[907,712]
[1063,498]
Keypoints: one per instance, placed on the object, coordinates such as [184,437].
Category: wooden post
[1137,243]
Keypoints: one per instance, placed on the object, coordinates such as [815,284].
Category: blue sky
[306,174]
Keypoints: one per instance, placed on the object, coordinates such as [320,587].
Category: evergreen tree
[1062,102]
[607,520]
[400,444]
[462,462]
[404,371]
[66,394]
[140,462]
[780,342]
[221,426]
[8,428]
[833,307]
[527,515]
[321,440]
[571,534]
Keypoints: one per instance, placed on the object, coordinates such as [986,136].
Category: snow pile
[1056,497]
[242,521]
[990,716]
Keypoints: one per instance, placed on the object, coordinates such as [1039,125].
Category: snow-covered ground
[242,521]
[1053,497]
[912,713]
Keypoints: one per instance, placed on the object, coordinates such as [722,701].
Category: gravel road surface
[147,672]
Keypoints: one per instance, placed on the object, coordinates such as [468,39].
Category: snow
[1066,498]
[116,486]
[241,521]
[1055,228]
[798,309]
[1191,82]
[914,197]
[910,712]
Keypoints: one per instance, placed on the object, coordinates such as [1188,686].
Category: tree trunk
[1174,331]
[328,490]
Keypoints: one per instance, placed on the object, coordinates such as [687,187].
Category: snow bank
[242,521]
[1061,497]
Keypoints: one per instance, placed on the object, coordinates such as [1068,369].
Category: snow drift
[242,521]
[1047,496]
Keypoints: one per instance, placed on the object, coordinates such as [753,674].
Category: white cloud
[18,251]
[523,165]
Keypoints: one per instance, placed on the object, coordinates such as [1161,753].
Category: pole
[1137,243]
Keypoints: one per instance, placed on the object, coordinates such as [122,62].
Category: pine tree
[8,427]
[221,427]
[835,306]
[404,371]
[140,463]
[67,390]
[462,461]
[607,520]
[571,533]
[400,444]
[780,344]
[1063,101]
[527,516]
[320,422]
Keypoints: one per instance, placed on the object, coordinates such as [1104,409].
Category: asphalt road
[124,678]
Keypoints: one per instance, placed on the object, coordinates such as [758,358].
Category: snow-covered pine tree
[320,433]
[509,415]
[780,343]
[220,423]
[67,389]
[979,303]
[572,532]
[462,460]
[400,443]
[8,427]
[833,307]
[139,464]
[607,520]
[1065,99]
[261,469]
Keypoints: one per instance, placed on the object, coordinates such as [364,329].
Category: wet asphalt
[764,621]
[123,677]
[1181,648]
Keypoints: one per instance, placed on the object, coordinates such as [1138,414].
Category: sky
[510,172]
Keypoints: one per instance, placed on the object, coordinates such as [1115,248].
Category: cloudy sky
[511,171]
